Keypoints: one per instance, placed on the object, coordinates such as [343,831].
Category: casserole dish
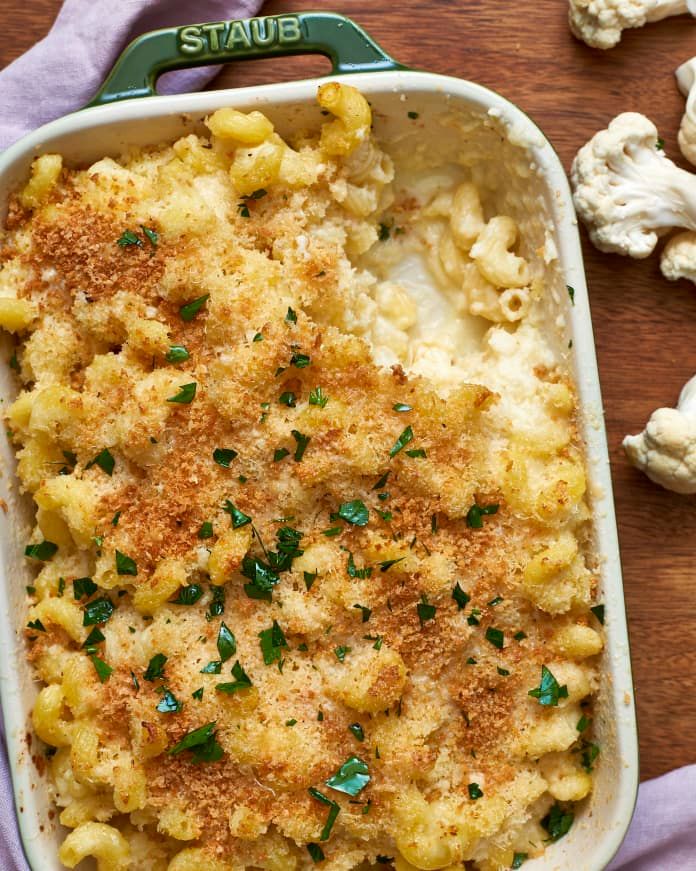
[527,181]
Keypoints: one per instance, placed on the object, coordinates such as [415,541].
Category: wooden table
[645,327]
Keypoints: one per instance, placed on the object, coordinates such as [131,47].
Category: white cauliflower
[686,80]
[600,23]
[679,257]
[628,191]
[666,449]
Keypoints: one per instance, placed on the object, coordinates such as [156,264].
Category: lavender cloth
[51,80]
[64,71]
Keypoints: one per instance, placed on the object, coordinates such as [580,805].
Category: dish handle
[340,39]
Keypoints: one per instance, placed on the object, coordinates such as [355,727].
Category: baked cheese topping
[305,594]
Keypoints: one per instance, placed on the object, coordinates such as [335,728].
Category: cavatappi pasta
[313,577]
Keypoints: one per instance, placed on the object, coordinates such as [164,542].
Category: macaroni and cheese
[314,579]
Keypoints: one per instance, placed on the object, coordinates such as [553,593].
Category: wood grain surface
[645,328]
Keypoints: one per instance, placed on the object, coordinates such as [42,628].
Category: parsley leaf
[155,667]
[354,572]
[44,550]
[386,564]
[272,642]
[357,730]
[185,395]
[217,603]
[189,311]
[401,406]
[365,612]
[461,597]
[309,579]
[97,611]
[127,238]
[425,611]
[206,530]
[496,637]
[318,397]
[241,682]
[84,587]
[352,777]
[125,565]
[589,753]
[571,293]
[382,481]
[238,518]
[262,578]
[224,456]
[188,595]
[354,512]
[474,516]
[197,694]
[405,437]
[316,853]
[334,811]
[280,454]
[299,361]
[549,691]
[104,460]
[103,670]
[213,667]
[202,742]
[557,823]
[177,354]
[291,316]
[226,643]
[302,442]
[169,704]
[598,611]
[518,860]
[288,398]
[475,791]
[341,652]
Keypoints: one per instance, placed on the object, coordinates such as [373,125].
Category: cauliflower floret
[679,257]
[666,449]
[686,80]
[600,23]
[627,191]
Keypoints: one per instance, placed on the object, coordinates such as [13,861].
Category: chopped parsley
[598,611]
[258,337]
[299,361]
[226,643]
[557,823]
[316,853]
[104,460]
[188,595]
[503,672]
[351,778]
[495,601]
[354,512]
[224,456]
[473,618]
[364,611]
[98,611]
[280,454]
[309,579]
[102,669]
[520,636]
[169,704]
[37,625]
[206,530]
[354,572]
[96,636]
[213,667]
[405,437]
[386,564]
[61,587]
[382,481]
[217,604]
[291,316]
[291,722]
[425,611]
[116,518]
[341,652]
[518,860]
[152,236]
[383,233]
[334,810]
[202,742]
[84,588]
[189,311]
[549,691]
[332,531]
[401,406]
[128,238]
[413,115]
[243,210]
[125,565]
[302,442]
[475,791]
[496,637]
[197,694]
[44,550]
[583,723]
[155,667]
[185,395]
[272,642]
[571,293]
[288,398]
[241,681]
[461,597]
[589,753]
[262,578]
[177,354]
[474,516]
[237,517]
[357,731]
[318,397]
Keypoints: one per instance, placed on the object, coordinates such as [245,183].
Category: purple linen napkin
[662,836]
[64,71]
[57,76]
